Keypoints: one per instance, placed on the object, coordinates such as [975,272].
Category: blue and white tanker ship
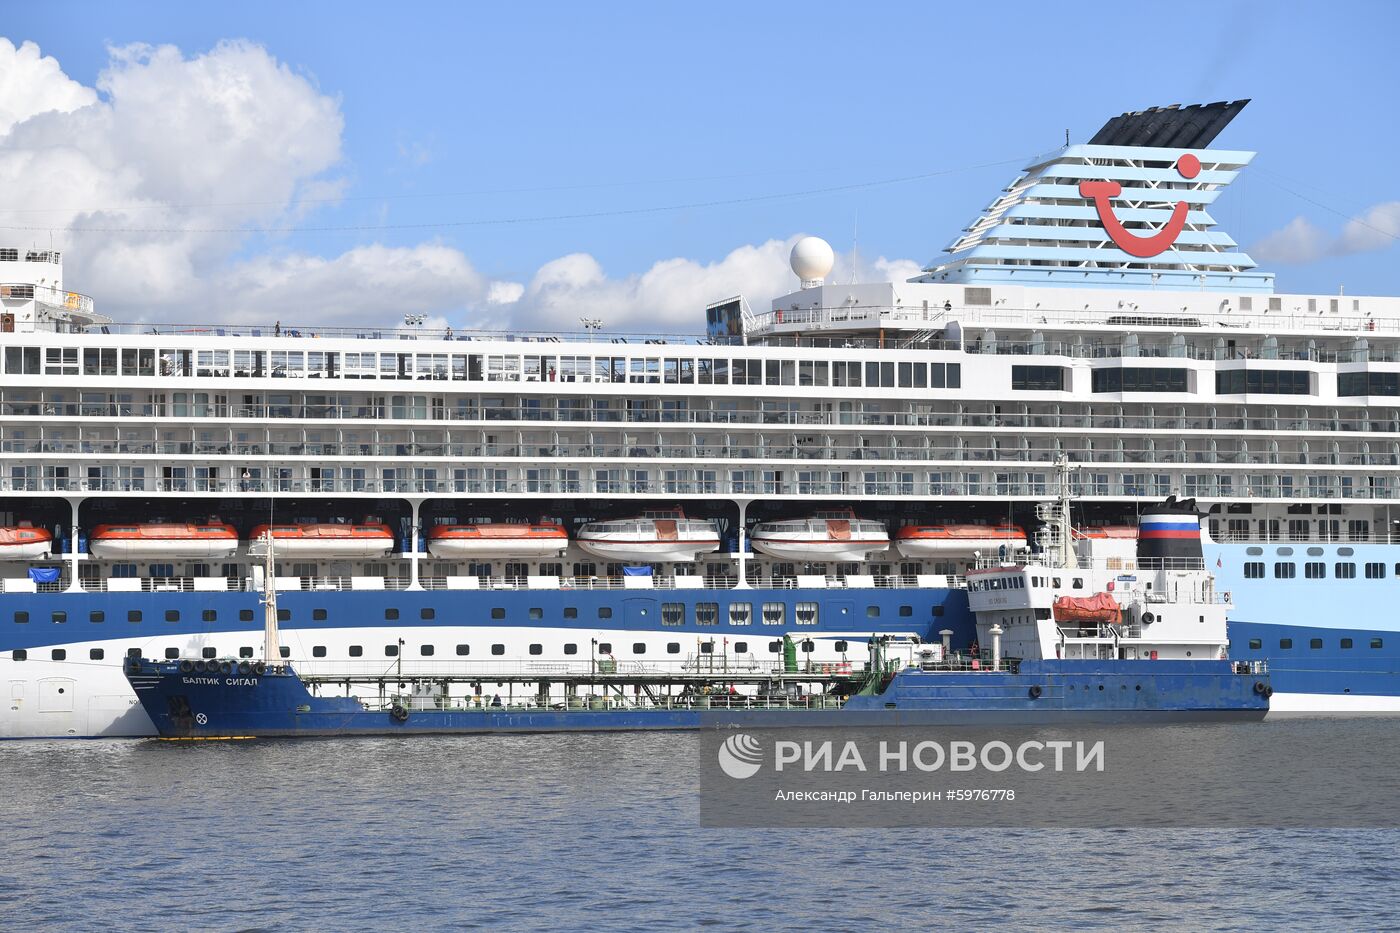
[827,468]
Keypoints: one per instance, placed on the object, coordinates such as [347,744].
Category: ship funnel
[1169,535]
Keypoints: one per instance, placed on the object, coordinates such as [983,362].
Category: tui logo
[1141,246]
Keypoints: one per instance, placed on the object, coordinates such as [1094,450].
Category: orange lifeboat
[24,542]
[1101,532]
[158,540]
[327,540]
[1101,608]
[498,540]
[917,541]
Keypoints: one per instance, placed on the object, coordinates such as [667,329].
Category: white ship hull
[818,550]
[648,551]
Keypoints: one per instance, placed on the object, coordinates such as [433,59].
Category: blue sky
[479,112]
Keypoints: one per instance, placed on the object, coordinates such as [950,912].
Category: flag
[1218,563]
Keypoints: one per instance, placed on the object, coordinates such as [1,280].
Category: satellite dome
[812,260]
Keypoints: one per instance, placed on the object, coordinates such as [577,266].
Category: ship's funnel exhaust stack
[1169,535]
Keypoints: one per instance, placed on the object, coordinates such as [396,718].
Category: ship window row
[1314,644]
[774,646]
[1038,378]
[1141,379]
[1350,384]
[670,370]
[1316,570]
[1267,381]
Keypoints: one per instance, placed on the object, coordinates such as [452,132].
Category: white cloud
[231,138]
[1300,241]
[1294,244]
[31,84]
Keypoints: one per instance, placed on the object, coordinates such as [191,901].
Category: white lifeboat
[163,540]
[498,540]
[917,541]
[24,542]
[660,537]
[327,540]
[825,536]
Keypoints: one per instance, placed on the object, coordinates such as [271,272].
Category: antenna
[1066,137]
[855,247]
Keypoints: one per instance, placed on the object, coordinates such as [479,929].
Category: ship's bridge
[32,296]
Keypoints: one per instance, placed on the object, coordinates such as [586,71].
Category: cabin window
[774,613]
[96,615]
[463,650]
[571,612]
[1254,570]
[173,653]
[245,652]
[1315,644]
[286,652]
[1346,643]
[1345,571]
[284,615]
[536,613]
[1255,644]
[210,615]
[805,613]
[1315,570]
[319,651]
[674,647]
[775,646]
[1285,570]
[133,653]
[1375,571]
[95,654]
[639,647]
[498,650]
[19,654]
[740,613]
[245,615]
[707,647]
[1285,643]
[906,612]
[872,612]
[172,615]
[1376,643]
[391,651]
[498,613]
[59,615]
[21,617]
[841,647]
[318,615]
[426,650]
[58,654]
[673,613]
[207,653]
[391,614]
[605,612]
[571,648]
[537,649]
[427,613]
[707,613]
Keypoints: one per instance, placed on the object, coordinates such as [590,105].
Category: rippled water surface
[599,831]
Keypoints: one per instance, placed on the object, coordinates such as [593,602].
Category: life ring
[1034,691]
[260,668]
[398,713]
[186,666]
[1260,687]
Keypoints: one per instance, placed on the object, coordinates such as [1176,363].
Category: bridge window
[1140,379]
[705,613]
[1368,383]
[774,613]
[1267,381]
[673,613]
[907,612]
[740,613]
[805,613]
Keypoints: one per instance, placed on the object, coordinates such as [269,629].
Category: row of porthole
[427,613]
[391,651]
[1286,644]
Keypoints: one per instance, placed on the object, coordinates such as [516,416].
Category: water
[566,831]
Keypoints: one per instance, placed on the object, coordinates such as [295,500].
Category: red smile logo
[1102,191]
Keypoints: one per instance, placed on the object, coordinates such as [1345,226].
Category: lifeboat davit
[663,537]
[159,540]
[824,536]
[498,539]
[917,541]
[327,540]
[24,542]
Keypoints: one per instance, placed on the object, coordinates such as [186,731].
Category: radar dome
[812,260]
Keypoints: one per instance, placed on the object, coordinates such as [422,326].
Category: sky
[525,165]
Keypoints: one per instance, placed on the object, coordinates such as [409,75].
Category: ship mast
[272,650]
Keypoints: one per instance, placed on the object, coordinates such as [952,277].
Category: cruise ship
[826,469]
